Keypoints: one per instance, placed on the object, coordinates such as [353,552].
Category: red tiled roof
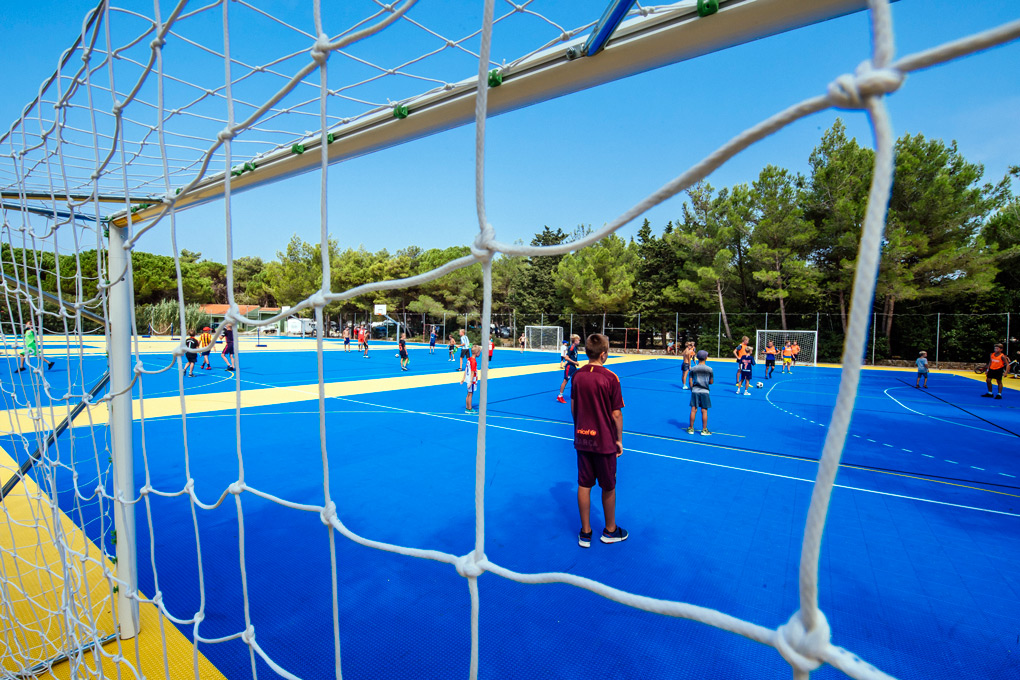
[222,309]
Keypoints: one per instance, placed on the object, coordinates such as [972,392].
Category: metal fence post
[603,323]
[676,332]
[637,345]
[718,341]
[874,324]
[1007,340]
[766,322]
[542,319]
[938,334]
[571,325]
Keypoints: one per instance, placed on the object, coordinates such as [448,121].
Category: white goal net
[543,337]
[155,109]
[804,343]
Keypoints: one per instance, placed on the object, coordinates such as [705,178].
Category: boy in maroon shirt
[596,403]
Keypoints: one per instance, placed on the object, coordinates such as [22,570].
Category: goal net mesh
[543,337]
[807,341]
[147,114]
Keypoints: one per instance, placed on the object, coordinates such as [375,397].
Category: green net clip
[495,78]
[179,190]
[330,138]
[106,231]
[249,166]
[707,7]
[400,111]
[298,149]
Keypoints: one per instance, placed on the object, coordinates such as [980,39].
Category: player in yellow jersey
[788,358]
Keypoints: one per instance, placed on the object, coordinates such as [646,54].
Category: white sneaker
[685,387]
[746,393]
[738,390]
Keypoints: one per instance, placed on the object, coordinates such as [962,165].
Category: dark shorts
[701,400]
[432,343]
[403,354]
[592,467]
[347,341]
[770,363]
[568,371]
[192,358]
[464,353]
[206,353]
[744,375]
[229,349]
[994,373]
[685,366]
[796,357]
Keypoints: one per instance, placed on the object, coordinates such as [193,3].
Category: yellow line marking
[30,559]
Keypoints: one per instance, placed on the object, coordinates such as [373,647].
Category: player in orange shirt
[796,353]
[994,370]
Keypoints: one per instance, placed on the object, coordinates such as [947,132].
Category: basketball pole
[938,335]
[121,425]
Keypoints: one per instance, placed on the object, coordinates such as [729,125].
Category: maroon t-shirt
[595,394]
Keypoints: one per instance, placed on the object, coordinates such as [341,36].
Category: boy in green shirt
[31,348]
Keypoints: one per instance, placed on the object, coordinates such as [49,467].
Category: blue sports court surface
[920,570]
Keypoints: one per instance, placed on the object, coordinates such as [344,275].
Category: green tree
[659,265]
[934,247]
[835,202]
[598,278]
[539,293]
[703,236]
[781,239]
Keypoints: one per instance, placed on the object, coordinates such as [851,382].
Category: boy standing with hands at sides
[572,364]
[432,341]
[470,376]
[520,341]
[465,349]
[770,359]
[922,369]
[205,340]
[994,370]
[787,358]
[795,348]
[347,338]
[402,347]
[596,403]
[685,366]
[701,378]
[451,345]
[744,376]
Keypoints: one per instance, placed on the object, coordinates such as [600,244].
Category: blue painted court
[920,570]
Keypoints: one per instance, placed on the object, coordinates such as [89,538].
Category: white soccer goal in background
[543,337]
[808,341]
[122,123]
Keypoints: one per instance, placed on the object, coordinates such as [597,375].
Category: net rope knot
[482,247]
[157,43]
[328,513]
[248,635]
[802,649]
[321,50]
[225,135]
[850,91]
[318,300]
[468,567]
[236,488]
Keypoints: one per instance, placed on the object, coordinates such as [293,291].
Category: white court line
[951,422]
[474,421]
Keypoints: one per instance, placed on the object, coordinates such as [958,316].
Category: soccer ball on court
[759,385]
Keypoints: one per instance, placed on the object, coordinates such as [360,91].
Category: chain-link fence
[947,338]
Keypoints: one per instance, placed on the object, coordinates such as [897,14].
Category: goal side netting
[149,114]
[806,344]
[543,337]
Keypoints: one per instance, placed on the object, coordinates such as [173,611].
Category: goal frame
[527,338]
[761,336]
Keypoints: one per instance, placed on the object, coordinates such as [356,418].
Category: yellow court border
[27,545]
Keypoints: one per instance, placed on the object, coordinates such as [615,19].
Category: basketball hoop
[380,310]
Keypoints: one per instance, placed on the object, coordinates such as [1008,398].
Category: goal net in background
[807,340]
[129,133]
[543,337]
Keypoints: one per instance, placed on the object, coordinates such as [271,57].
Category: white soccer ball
[759,385]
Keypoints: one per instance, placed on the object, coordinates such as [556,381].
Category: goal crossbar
[640,44]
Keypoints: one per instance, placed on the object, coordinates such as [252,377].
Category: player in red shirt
[596,402]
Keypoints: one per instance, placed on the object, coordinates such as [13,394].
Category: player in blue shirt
[432,341]
[744,375]
[572,365]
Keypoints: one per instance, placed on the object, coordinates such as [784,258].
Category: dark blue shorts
[701,400]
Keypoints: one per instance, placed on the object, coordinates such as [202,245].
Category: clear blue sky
[587,157]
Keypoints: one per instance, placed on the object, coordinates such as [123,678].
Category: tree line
[784,243]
